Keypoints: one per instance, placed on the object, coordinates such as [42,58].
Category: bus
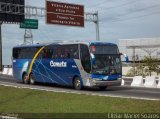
[77,64]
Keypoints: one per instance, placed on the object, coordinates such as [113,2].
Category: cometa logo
[58,64]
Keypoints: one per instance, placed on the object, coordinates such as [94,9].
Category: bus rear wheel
[32,79]
[25,79]
[102,87]
[77,83]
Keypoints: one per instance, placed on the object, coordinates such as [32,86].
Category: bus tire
[102,87]
[77,83]
[32,79]
[25,79]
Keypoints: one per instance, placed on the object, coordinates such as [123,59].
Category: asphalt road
[122,91]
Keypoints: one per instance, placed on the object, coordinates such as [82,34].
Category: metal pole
[97,27]
[28,36]
[134,66]
[1,68]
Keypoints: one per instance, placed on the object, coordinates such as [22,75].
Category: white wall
[123,43]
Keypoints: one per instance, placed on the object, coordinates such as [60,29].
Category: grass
[14,100]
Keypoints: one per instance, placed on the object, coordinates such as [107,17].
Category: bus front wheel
[77,83]
[25,79]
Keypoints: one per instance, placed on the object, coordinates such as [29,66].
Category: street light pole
[1,68]
[97,27]
[134,65]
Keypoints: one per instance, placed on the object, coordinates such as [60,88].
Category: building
[136,49]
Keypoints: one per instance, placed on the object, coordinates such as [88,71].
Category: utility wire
[135,11]
[136,17]
[99,4]
[124,4]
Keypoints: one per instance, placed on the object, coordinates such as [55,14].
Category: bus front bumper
[107,83]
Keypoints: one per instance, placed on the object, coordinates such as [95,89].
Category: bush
[146,68]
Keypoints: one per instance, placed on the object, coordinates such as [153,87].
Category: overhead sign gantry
[11,11]
[15,11]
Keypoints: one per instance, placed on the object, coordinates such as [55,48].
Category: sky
[119,19]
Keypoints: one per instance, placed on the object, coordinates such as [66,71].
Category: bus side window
[24,53]
[70,51]
[74,52]
[48,53]
[45,53]
[61,52]
[85,58]
[16,53]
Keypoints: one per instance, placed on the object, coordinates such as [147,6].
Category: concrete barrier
[137,81]
[150,82]
[158,85]
[122,83]
[5,70]
[10,72]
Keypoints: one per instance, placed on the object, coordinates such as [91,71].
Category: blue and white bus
[77,64]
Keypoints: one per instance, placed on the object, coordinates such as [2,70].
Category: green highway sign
[29,24]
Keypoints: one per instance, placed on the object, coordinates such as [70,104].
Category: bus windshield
[106,60]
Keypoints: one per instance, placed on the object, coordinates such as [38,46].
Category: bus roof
[69,42]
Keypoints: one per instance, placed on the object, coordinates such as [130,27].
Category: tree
[150,65]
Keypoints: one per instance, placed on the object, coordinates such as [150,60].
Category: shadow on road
[114,88]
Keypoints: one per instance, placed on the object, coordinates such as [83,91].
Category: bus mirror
[126,58]
[93,58]
[121,54]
